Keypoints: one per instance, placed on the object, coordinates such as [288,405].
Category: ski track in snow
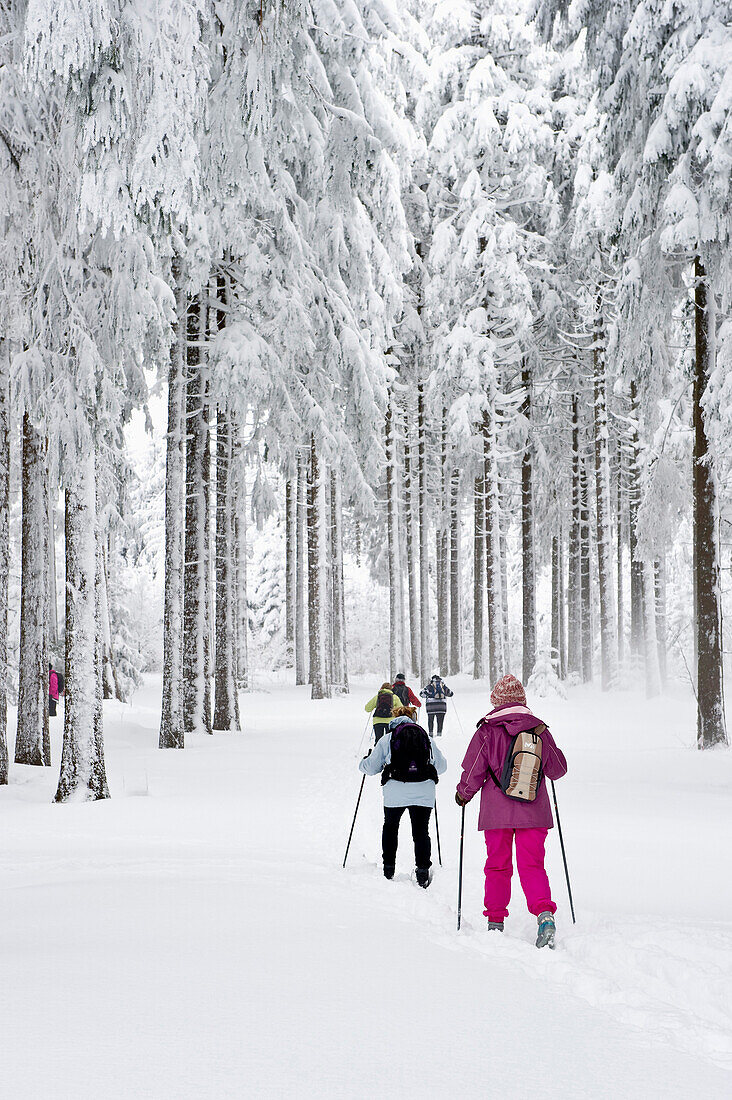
[196,935]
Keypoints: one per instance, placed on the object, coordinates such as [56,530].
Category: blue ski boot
[547,930]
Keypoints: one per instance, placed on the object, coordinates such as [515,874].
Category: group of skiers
[507,760]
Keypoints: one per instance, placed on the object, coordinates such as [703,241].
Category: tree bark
[608,627]
[392,539]
[316,608]
[412,550]
[290,565]
[301,654]
[585,577]
[424,563]
[634,497]
[171,718]
[478,570]
[4,551]
[556,606]
[442,556]
[340,649]
[239,535]
[196,690]
[527,537]
[456,639]
[711,725]
[574,583]
[660,594]
[492,553]
[226,702]
[32,743]
[83,776]
[619,509]
[650,638]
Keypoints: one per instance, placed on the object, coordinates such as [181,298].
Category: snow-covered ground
[196,936]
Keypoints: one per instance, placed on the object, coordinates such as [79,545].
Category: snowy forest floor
[195,936]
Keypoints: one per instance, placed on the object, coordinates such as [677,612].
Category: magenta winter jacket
[489,747]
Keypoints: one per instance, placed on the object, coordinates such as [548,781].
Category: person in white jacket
[409,784]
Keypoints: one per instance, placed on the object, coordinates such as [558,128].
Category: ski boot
[423,876]
[389,870]
[495,925]
[547,930]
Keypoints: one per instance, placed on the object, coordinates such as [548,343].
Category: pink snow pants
[530,863]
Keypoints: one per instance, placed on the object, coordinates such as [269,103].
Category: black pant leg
[390,834]
[51,707]
[431,722]
[420,818]
[440,722]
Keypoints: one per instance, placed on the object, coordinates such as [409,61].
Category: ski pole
[460,870]
[368,719]
[353,823]
[437,830]
[458,718]
[564,855]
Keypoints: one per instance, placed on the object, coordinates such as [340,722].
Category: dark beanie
[399,676]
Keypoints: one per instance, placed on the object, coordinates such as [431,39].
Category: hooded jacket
[489,748]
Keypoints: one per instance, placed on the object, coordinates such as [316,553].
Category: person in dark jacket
[406,696]
[508,821]
[436,693]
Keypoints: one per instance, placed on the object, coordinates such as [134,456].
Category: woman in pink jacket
[504,820]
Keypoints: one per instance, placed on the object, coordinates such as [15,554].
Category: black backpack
[410,756]
[384,704]
[401,691]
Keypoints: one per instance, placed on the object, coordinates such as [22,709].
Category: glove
[460,800]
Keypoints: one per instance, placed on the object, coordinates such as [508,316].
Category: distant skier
[436,693]
[53,691]
[405,694]
[514,803]
[409,762]
[383,704]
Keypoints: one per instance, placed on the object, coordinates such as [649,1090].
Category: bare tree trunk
[412,563]
[110,684]
[290,564]
[226,702]
[4,552]
[492,553]
[478,570]
[711,723]
[660,594]
[301,655]
[239,535]
[527,539]
[392,537]
[556,651]
[456,639]
[619,508]
[32,744]
[316,609]
[52,616]
[574,583]
[196,692]
[562,611]
[441,556]
[585,577]
[83,775]
[424,563]
[608,627]
[650,639]
[171,718]
[340,664]
[634,496]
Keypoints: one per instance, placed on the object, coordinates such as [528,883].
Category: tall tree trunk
[585,577]
[424,561]
[226,702]
[301,652]
[478,570]
[4,551]
[608,627]
[239,535]
[32,743]
[290,564]
[619,508]
[556,650]
[392,538]
[650,638]
[574,583]
[441,556]
[110,685]
[711,725]
[316,595]
[197,715]
[634,497]
[52,615]
[412,563]
[562,610]
[492,553]
[83,776]
[506,658]
[660,594]
[171,718]
[340,664]
[527,538]
[456,639]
